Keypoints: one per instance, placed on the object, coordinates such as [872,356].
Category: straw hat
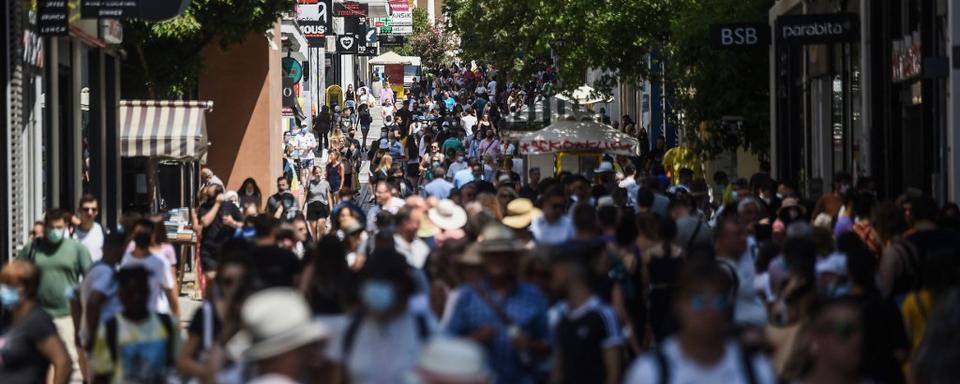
[498,238]
[520,212]
[447,215]
[271,334]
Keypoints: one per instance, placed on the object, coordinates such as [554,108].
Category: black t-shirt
[883,334]
[215,234]
[285,199]
[197,326]
[582,338]
[20,359]
[276,267]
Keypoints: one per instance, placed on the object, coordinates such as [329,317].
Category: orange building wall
[244,83]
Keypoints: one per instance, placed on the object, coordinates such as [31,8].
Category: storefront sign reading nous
[818,29]
[740,35]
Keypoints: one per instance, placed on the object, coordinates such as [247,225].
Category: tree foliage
[165,56]
[703,85]
[432,42]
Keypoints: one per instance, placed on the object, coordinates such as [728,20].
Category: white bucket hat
[278,320]
[452,360]
[447,215]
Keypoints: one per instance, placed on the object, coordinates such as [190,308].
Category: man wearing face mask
[162,299]
[381,342]
[62,262]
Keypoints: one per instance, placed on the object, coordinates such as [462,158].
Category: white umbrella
[578,135]
[584,95]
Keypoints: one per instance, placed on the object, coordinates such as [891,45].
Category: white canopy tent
[392,58]
[585,95]
[578,134]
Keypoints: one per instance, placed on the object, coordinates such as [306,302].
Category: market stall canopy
[584,95]
[390,58]
[166,129]
[578,134]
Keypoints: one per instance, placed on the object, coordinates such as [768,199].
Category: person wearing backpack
[136,345]
[701,351]
[98,291]
[382,340]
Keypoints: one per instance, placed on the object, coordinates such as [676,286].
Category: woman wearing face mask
[163,296]
[250,193]
[384,326]
[30,341]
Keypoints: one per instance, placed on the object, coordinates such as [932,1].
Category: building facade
[865,87]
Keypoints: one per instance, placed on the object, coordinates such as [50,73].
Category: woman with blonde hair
[337,140]
[383,168]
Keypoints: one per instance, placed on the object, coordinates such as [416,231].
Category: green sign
[292,68]
[384,24]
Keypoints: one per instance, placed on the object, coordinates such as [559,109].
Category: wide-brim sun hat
[496,238]
[447,215]
[272,334]
[520,213]
[452,360]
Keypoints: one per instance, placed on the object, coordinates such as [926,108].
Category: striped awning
[170,129]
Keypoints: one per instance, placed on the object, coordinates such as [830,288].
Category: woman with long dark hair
[250,193]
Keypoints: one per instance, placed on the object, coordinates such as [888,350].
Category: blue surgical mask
[9,296]
[378,296]
[55,235]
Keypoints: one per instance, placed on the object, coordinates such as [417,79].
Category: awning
[168,129]
[390,58]
[578,133]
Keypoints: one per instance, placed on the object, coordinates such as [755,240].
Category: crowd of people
[451,267]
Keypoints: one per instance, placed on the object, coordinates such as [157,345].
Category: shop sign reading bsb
[740,35]
[818,29]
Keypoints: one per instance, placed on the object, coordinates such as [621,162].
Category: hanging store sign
[371,36]
[53,18]
[740,35]
[907,57]
[350,9]
[113,9]
[389,40]
[348,44]
[399,6]
[383,24]
[818,29]
[355,26]
[315,20]
[403,29]
[292,68]
[402,18]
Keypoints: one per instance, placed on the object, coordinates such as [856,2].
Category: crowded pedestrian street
[480,192]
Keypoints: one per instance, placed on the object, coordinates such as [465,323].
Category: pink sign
[399,6]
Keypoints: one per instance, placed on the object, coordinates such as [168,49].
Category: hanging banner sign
[818,29]
[348,44]
[403,29]
[402,18]
[350,9]
[355,26]
[53,18]
[315,20]
[389,40]
[740,35]
[399,6]
[371,36]
[383,24]
[113,9]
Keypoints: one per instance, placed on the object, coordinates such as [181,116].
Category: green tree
[433,43]
[165,56]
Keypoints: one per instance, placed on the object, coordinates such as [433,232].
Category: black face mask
[142,240]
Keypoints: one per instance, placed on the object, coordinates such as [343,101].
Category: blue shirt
[462,177]
[525,306]
[438,188]
[396,150]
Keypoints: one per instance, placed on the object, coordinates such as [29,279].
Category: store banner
[114,9]
[355,26]
[371,36]
[348,44]
[53,18]
[350,9]
[400,12]
[818,29]
[315,20]
[399,6]
[740,35]
[383,24]
[403,29]
[292,72]
[390,40]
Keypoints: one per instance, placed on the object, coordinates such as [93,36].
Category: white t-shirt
[469,121]
[416,251]
[683,370]
[305,143]
[381,353]
[92,239]
[99,278]
[552,233]
[161,278]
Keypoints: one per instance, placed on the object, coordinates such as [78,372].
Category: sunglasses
[700,303]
